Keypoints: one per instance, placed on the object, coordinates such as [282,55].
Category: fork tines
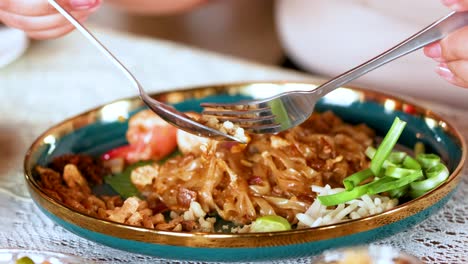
[252,118]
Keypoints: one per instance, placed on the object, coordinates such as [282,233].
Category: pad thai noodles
[188,183]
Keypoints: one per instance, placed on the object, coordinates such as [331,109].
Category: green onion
[397,157]
[415,193]
[428,160]
[370,152]
[398,172]
[394,184]
[356,178]
[385,148]
[419,148]
[394,172]
[343,197]
[435,176]
[399,192]
[393,159]
[411,163]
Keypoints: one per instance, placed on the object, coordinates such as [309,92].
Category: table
[60,78]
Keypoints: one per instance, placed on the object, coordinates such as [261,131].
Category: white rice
[318,214]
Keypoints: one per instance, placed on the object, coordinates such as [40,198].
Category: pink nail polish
[82,4]
[449,2]
[434,51]
[443,70]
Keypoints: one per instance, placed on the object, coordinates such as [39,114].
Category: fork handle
[434,32]
[85,32]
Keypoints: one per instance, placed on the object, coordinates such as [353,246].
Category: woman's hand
[40,20]
[452,51]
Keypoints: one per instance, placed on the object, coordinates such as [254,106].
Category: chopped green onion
[435,176]
[356,178]
[398,172]
[399,192]
[416,193]
[428,160]
[343,197]
[370,152]
[394,172]
[385,148]
[419,148]
[394,184]
[387,164]
[391,161]
[411,163]
[397,157]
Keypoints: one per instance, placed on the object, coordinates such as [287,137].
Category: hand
[452,51]
[40,20]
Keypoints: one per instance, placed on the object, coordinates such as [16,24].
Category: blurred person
[323,37]
[329,37]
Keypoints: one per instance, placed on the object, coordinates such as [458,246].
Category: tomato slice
[119,152]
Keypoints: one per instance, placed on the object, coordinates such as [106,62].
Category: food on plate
[28,260]
[366,255]
[226,127]
[322,172]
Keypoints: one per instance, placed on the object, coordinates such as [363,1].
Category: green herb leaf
[121,182]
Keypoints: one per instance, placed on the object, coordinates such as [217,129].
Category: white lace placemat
[58,79]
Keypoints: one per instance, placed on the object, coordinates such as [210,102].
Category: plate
[103,128]
[365,254]
[10,256]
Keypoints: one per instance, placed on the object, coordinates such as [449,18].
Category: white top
[329,37]
[13,43]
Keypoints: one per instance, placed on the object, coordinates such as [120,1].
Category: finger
[455,72]
[42,7]
[455,46]
[457,5]
[53,33]
[38,23]
[434,51]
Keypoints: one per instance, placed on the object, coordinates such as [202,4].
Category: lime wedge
[270,223]
[24,260]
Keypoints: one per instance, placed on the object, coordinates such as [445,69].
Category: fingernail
[434,51]
[443,70]
[82,4]
[452,4]
[449,2]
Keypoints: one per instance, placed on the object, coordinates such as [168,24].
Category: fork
[165,111]
[289,109]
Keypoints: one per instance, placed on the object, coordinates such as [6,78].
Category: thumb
[457,5]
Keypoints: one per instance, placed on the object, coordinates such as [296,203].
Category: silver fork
[289,109]
[167,112]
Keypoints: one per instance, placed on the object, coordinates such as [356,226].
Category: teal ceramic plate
[103,128]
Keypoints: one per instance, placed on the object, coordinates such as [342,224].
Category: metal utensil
[289,109]
[167,112]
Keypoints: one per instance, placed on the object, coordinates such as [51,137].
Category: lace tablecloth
[61,78]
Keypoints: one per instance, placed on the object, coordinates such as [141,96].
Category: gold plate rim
[224,240]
